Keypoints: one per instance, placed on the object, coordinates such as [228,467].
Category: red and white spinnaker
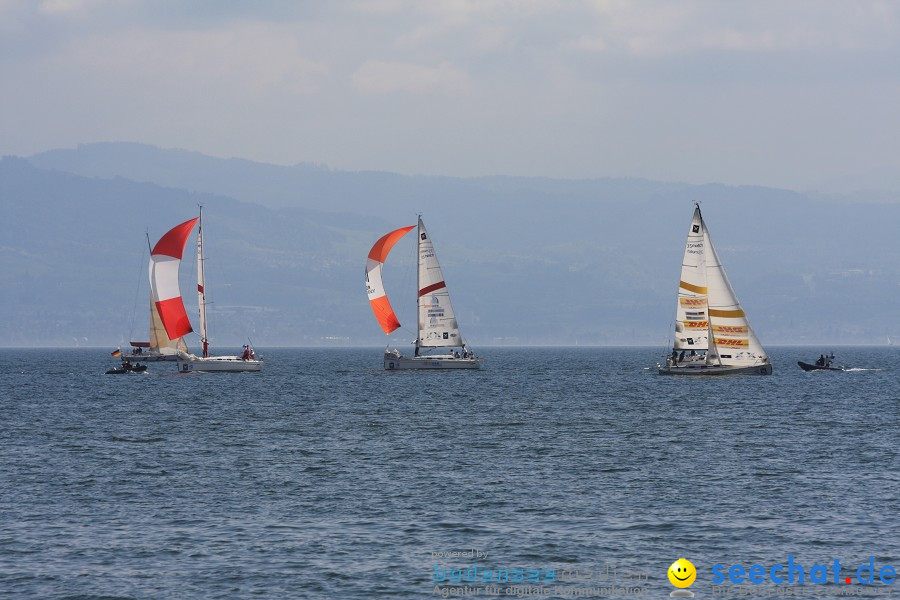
[165,258]
[374,286]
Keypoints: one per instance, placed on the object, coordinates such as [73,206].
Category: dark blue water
[325,476]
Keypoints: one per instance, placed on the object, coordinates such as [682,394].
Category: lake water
[325,476]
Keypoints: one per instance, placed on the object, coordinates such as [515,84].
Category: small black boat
[825,363]
[127,369]
[809,367]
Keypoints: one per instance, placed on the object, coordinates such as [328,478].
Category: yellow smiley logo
[682,573]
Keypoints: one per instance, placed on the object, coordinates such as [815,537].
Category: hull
[809,367]
[123,370]
[713,370]
[151,357]
[394,362]
[218,364]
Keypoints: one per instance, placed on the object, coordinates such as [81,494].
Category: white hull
[217,364]
[394,362]
[699,369]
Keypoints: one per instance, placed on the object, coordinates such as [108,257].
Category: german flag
[117,352]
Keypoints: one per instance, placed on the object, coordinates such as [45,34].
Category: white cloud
[661,29]
[381,77]
[561,87]
[253,60]
[61,7]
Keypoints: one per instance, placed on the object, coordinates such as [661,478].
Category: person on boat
[456,354]
[681,356]
[252,354]
[126,365]
[821,361]
[829,360]
[245,355]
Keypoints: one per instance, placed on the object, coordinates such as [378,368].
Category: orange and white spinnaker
[374,286]
[165,258]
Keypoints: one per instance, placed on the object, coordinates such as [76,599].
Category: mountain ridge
[528,260]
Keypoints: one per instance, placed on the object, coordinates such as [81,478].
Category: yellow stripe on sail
[691,287]
[726,314]
[692,302]
[732,342]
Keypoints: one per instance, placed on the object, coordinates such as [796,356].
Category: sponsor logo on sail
[732,342]
[731,329]
[692,301]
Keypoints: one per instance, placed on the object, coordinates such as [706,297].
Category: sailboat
[712,333]
[437,322]
[165,258]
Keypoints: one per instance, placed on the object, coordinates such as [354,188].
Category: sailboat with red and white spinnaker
[165,293]
[437,322]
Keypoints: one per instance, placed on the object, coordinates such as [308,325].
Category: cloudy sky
[802,94]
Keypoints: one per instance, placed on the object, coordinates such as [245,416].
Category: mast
[418,281]
[201,283]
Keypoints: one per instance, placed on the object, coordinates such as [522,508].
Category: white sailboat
[165,258]
[712,333]
[437,326]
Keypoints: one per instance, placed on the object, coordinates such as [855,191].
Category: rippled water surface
[325,476]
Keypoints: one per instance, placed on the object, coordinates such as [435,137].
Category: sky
[801,94]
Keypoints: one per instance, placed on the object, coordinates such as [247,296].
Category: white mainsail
[691,318]
[734,343]
[437,322]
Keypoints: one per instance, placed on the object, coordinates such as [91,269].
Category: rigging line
[182,273]
[136,292]
[409,331]
[406,275]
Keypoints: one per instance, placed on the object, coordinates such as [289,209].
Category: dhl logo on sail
[696,324]
[692,301]
[731,329]
[732,343]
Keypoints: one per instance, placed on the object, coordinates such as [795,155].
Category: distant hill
[528,260]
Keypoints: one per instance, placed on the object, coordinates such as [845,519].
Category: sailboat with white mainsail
[165,259]
[712,333]
[437,327]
